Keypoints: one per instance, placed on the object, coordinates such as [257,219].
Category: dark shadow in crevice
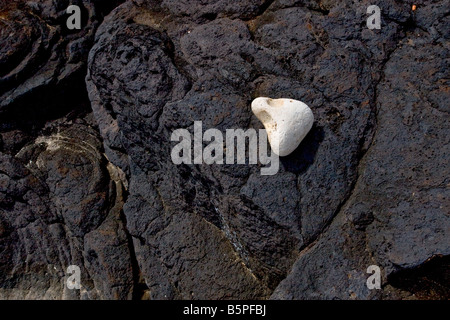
[31,111]
[428,281]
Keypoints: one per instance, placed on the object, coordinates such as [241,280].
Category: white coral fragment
[287,122]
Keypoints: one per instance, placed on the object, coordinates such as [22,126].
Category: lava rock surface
[87,179]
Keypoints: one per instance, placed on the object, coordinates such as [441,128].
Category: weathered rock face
[60,199]
[53,217]
[367,186]
[41,57]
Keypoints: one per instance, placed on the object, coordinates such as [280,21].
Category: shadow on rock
[300,160]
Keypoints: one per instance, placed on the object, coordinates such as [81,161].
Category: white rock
[287,121]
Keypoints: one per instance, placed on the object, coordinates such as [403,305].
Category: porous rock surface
[86,176]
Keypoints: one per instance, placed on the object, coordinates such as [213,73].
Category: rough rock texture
[90,182]
[53,217]
[41,57]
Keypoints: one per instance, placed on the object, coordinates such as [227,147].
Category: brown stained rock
[397,216]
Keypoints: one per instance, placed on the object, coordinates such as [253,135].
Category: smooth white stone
[287,122]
